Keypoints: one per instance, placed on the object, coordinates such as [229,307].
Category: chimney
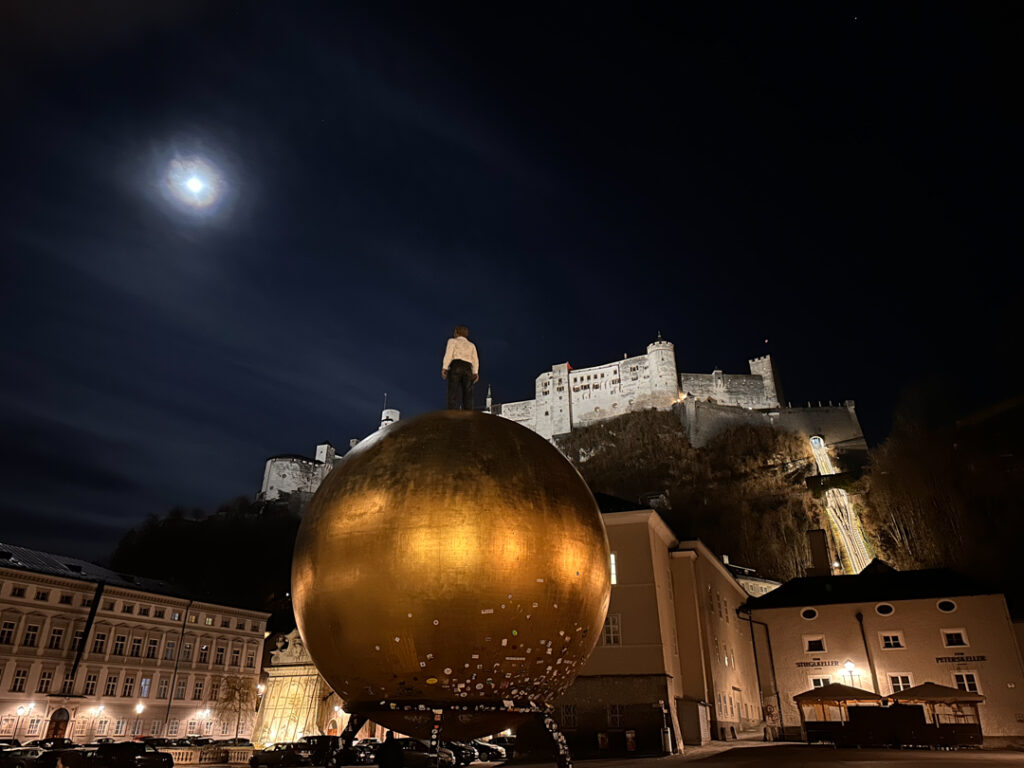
[820,563]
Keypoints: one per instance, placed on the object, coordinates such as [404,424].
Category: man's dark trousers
[460,386]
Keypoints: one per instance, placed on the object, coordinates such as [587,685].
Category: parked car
[508,743]
[417,754]
[360,753]
[366,751]
[239,742]
[464,753]
[52,743]
[156,741]
[20,757]
[489,750]
[129,754]
[324,748]
[285,754]
[8,743]
[69,758]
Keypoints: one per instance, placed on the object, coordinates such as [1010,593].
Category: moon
[194,183]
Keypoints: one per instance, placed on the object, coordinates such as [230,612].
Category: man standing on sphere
[461,368]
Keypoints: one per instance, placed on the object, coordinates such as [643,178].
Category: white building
[86,652]
[567,398]
[885,630]
[294,475]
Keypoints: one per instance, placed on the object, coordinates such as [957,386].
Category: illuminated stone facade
[674,659]
[885,630]
[87,653]
[297,701]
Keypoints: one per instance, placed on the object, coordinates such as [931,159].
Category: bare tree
[237,697]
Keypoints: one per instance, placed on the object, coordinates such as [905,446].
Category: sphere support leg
[355,722]
[563,758]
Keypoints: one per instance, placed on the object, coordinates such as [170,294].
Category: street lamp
[139,709]
[96,712]
[23,710]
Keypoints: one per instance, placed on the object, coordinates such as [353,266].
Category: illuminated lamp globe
[453,562]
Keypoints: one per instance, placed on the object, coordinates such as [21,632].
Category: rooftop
[34,561]
[877,582]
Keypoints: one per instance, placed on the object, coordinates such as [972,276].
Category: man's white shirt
[461,348]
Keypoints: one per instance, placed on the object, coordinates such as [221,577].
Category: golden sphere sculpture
[453,562]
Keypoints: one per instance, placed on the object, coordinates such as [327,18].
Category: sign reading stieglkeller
[958,659]
[817,663]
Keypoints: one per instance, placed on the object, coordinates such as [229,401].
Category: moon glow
[194,182]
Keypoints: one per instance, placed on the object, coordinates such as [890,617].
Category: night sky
[841,179]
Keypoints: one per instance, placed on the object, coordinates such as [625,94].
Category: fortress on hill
[566,399]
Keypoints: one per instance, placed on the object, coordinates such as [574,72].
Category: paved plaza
[788,755]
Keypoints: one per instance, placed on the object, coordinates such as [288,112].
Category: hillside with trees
[743,494]
[948,495]
[933,495]
[241,555]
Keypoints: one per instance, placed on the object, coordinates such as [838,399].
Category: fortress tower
[664,380]
[762,366]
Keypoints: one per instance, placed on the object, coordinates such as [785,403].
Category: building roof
[935,693]
[876,583]
[34,561]
[837,692]
[294,456]
[608,503]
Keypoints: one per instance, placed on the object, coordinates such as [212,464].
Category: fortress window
[809,613]
[946,606]
[884,609]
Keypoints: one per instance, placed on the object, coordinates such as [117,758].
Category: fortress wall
[726,388]
[703,421]
[522,412]
[838,425]
[289,475]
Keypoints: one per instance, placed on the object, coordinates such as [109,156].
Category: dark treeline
[240,555]
[949,494]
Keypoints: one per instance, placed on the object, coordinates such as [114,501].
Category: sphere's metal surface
[454,560]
